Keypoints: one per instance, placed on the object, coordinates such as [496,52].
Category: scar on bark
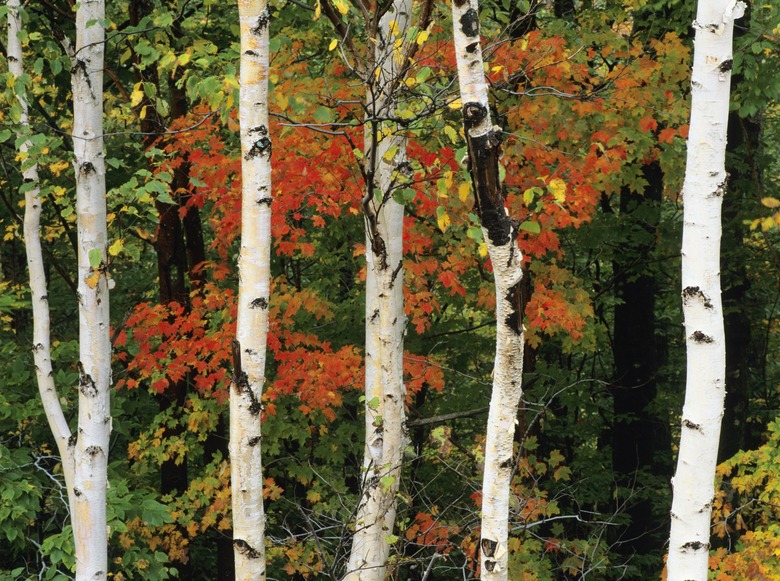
[241,380]
[694,291]
[262,22]
[86,383]
[469,23]
[259,303]
[691,425]
[246,549]
[489,547]
[515,319]
[696,546]
[700,337]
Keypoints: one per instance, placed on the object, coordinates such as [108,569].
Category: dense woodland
[592,100]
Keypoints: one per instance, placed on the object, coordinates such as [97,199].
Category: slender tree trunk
[500,233]
[254,265]
[385,393]
[40,303]
[91,450]
[705,185]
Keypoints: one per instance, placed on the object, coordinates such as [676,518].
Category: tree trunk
[705,185]
[94,423]
[385,393]
[254,266]
[639,437]
[500,234]
[40,303]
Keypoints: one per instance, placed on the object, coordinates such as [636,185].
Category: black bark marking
[694,291]
[254,441]
[250,53]
[515,319]
[700,337]
[246,549]
[93,450]
[484,152]
[726,66]
[261,147]
[472,48]
[459,3]
[77,492]
[259,303]
[87,168]
[506,463]
[264,201]
[86,383]
[489,547]
[696,546]
[261,129]
[489,565]
[691,425]
[241,381]
[262,22]
[469,23]
[72,440]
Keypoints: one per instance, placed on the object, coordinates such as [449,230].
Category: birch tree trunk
[500,234]
[254,290]
[32,242]
[94,423]
[385,393]
[703,190]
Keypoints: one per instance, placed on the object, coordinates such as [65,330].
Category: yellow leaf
[183,59]
[557,187]
[143,112]
[455,104]
[392,27]
[770,202]
[283,101]
[410,81]
[317,10]
[463,191]
[137,95]
[116,247]
[444,221]
[422,37]
[483,250]
[333,44]
[92,279]
[341,6]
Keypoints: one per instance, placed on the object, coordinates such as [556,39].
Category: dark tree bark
[640,438]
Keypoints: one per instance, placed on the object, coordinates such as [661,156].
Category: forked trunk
[385,393]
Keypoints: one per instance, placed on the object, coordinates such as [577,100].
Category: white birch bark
[94,422]
[254,289]
[703,190]
[385,414]
[40,303]
[500,234]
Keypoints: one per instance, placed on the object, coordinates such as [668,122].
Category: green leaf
[533,227]
[95,258]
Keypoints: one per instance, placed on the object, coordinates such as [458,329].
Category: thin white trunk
[40,302]
[385,393]
[94,423]
[705,185]
[500,234]
[254,265]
